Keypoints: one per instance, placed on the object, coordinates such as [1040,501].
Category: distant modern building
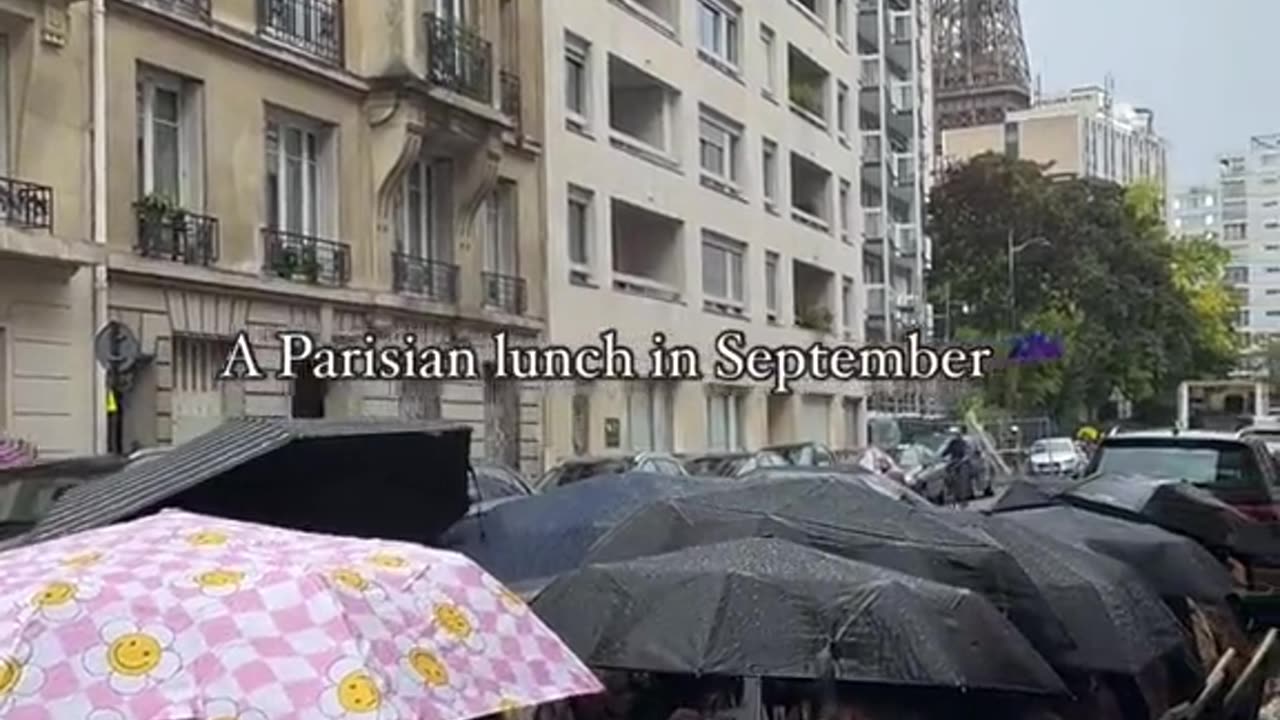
[1250,197]
[1084,133]
[1196,210]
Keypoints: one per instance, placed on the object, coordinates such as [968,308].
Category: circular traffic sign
[116,347]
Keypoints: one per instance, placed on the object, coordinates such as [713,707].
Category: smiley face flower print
[425,668]
[355,694]
[19,677]
[453,623]
[215,581]
[353,583]
[62,600]
[133,658]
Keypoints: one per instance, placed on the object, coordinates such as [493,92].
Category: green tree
[1138,312]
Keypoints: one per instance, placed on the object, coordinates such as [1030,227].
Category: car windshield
[1204,463]
[1057,445]
[492,483]
[722,466]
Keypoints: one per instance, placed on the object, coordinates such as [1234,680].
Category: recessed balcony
[813,291]
[647,252]
[810,194]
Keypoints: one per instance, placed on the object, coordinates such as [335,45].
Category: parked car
[913,458]
[1266,429]
[1237,469]
[1055,456]
[732,464]
[815,454]
[572,471]
[494,480]
[940,481]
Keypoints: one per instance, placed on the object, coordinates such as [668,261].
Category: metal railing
[310,26]
[197,8]
[294,256]
[505,292]
[422,276]
[509,98]
[459,59]
[181,236]
[26,205]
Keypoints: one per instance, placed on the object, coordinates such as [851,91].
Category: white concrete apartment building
[1249,184]
[1196,211]
[1084,133]
[702,162]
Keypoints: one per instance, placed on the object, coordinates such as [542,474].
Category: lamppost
[1014,249]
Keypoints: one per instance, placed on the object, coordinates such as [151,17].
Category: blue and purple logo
[1036,347]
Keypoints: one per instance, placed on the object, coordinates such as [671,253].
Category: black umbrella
[1173,565]
[545,534]
[1171,504]
[847,519]
[1118,624]
[767,607]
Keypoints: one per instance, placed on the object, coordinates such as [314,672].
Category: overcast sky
[1210,69]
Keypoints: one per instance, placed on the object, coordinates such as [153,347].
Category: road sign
[116,347]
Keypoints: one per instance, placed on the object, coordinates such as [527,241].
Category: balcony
[26,205]
[509,95]
[810,194]
[459,59]
[647,252]
[872,149]
[873,224]
[303,258]
[431,279]
[661,15]
[507,293]
[312,27]
[869,74]
[168,233]
[641,113]
[807,83]
[813,297]
[876,302]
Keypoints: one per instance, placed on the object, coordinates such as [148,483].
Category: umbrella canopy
[768,607]
[847,519]
[543,535]
[1174,566]
[1171,504]
[1117,623]
[187,616]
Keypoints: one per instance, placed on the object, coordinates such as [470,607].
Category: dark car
[493,481]
[1238,470]
[732,464]
[812,454]
[572,471]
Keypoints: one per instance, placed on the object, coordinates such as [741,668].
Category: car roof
[1173,434]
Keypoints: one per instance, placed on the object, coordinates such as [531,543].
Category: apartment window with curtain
[650,416]
[723,283]
[577,80]
[841,12]
[769,174]
[771,262]
[580,221]
[422,218]
[720,148]
[769,56]
[718,31]
[726,413]
[169,162]
[501,253]
[299,198]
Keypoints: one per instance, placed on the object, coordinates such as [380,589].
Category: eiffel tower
[980,62]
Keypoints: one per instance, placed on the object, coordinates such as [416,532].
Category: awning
[355,477]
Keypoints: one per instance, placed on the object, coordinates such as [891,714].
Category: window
[769,173]
[1271,224]
[580,220]
[846,212]
[725,414]
[842,20]
[842,109]
[771,285]
[1234,231]
[168,152]
[577,79]
[422,219]
[718,147]
[718,31]
[722,271]
[650,416]
[769,56]
[847,305]
[900,27]
[1270,203]
[1237,275]
[297,181]
[312,27]
[502,250]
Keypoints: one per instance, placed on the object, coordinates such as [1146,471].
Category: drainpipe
[98,202]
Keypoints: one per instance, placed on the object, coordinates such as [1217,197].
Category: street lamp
[1014,249]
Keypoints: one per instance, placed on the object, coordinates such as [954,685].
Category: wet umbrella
[846,519]
[771,608]
[1173,565]
[1117,623]
[545,534]
[1171,504]
[852,473]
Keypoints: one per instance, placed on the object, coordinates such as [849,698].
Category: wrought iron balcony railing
[313,27]
[303,258]
[421,276]
[505,292]
[176,235]
[26,205]
[459,59]
[194,8]
[509,99]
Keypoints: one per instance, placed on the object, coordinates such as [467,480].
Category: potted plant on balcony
[161,223]
[294,262]
[815,318]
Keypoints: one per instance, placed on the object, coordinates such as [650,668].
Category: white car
[1055,456]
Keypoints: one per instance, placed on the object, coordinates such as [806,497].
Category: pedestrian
[960,480]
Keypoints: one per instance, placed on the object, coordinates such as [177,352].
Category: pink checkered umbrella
[180,616]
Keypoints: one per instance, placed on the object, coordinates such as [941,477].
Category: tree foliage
[1139,312]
